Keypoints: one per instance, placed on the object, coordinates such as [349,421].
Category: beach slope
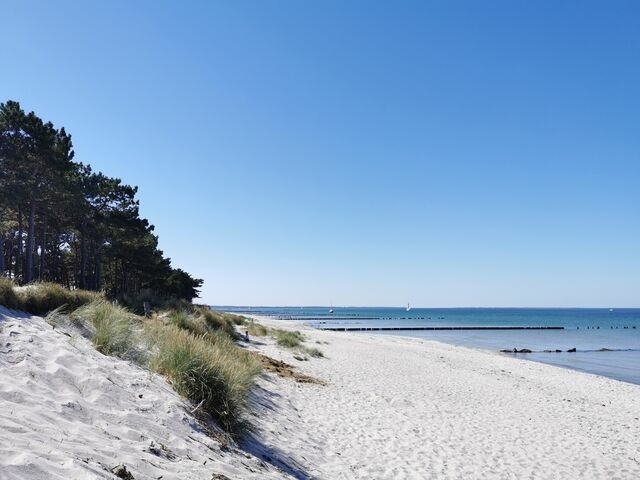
[69,412]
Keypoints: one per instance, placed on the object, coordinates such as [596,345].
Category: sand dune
[69,412]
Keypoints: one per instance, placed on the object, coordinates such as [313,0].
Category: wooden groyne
[329,318]
[332,318]
[367,329]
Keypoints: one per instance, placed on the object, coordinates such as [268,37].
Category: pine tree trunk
[30,240]
[55,252]
[92,274]
[98,270]
[1,254]
[75,261]
[116,279]
[43,247]
[83,256]
[18,266]
[10,253]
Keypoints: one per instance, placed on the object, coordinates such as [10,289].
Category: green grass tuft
[217,320]
[41,298]
[312,352]
[255,329]
[197,325]
[8,296]
[210,370]
[288,339]
[294,340]
[235,319]
[114,330]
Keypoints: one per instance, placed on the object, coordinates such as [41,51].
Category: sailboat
[331,308]
[408,306]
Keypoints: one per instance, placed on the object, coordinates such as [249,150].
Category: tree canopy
[60,221]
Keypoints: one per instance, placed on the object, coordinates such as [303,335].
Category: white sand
[392,408]
[69,412]
[406,408]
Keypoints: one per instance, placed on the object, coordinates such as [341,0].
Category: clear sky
[445,153]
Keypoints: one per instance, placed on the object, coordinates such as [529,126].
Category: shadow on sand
[263,401]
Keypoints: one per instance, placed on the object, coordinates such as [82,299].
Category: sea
[606,341]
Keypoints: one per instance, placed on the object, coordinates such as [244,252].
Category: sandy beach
[386,408]
[405,408]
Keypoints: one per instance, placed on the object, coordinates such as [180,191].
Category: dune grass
[218,320]
[195,353]
[8,296]
[210,370]
[189,322]
[295,340]
[192,347]
[312,351]
[302,353]
[43,297]
[201,321]
[114,331]
[255,329]
[235,319]
[287,338]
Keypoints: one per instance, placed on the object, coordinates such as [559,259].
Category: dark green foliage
[179,284]
[62,222]
[135,302]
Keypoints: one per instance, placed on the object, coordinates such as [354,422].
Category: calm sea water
[587,330]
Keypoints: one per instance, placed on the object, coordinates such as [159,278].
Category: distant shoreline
[589,331]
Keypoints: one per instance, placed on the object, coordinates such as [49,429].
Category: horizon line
[423,308]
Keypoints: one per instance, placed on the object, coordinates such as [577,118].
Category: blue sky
[358,153]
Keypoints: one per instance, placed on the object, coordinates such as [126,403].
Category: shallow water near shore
[607,341]
[620,358]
